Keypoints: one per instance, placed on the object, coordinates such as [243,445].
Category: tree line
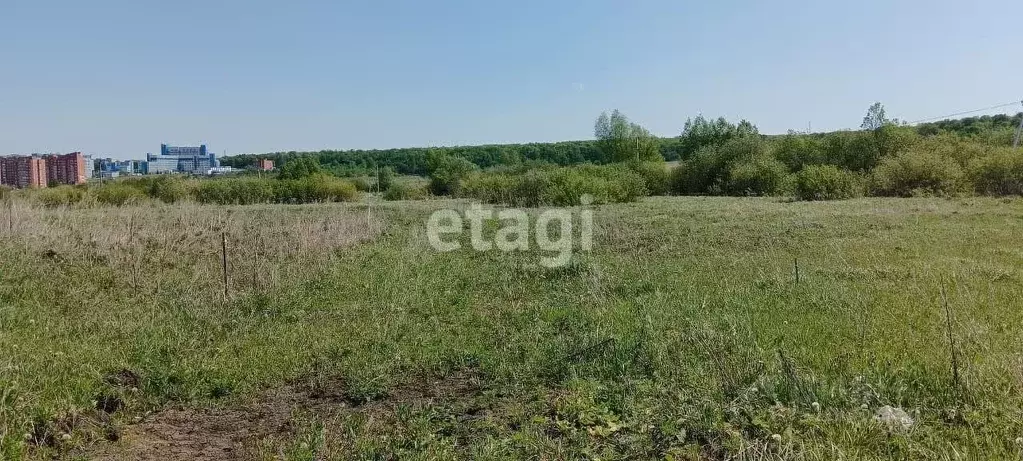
[696,133]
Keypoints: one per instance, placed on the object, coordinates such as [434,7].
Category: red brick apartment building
[20,171]
[66,169]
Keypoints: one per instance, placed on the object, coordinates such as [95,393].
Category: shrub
[826,182]
[247,191]
[447,172]
[799,150]
[317,188]
[699,174]
[167,188]
[1000,172]
[707,172]
[61,196]
[760,176]
[557,187]
[236,191]
[851,150]
[118,193]
[917,172]
[656,176]
[301,167]
[385,177]
[405,191]
[362,185]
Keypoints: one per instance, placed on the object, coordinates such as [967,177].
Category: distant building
[218,170]
[66,168]
[106,167]
[23,171]
[90,167]
[264,164]
[181,159]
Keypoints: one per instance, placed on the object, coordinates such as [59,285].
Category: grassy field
[684,334]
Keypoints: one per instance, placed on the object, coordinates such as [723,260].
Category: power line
[943,117]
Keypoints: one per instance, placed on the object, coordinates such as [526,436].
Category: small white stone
[776,437]
[864,407]
[1019,440]
[27,436]
[893,418]
[65,437]
[816,407]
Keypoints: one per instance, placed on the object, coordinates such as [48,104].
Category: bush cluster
[224,191]
[246,191]
[555,186]
[826,182]
[406,191]
[999,172]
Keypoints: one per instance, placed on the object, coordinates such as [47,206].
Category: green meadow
[695,328]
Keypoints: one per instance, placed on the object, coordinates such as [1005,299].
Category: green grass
[682,335]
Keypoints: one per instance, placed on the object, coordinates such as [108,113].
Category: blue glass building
[181,159]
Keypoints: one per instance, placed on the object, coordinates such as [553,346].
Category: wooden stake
[951,339]
[223,241]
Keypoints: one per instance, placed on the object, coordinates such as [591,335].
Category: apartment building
[23,171]
[67,168]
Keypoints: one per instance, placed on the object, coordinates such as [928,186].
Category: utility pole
[1019,132]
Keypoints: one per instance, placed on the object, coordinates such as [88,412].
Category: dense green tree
[699,132]
[300,167]
[622,141]
[447,172]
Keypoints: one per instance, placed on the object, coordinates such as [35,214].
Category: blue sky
[120,77]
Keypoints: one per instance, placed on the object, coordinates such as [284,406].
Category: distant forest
[988,129]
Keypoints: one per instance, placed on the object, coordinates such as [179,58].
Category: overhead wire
[944,117]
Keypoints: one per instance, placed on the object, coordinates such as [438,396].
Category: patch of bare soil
[179,434]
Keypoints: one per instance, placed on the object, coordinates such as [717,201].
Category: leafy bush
[998,173]
[61,196]
[798,150]
[655,176]
[759,176]
[385,177]
[405,191]
[707,171]
[247,191]
[556,187]
[235,191]
[118,193]
[446,173]
[917,172]
[301,167]
[165,188]
[317,188]
[362,184]
[826,182]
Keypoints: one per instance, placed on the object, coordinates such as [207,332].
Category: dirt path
[227,434]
